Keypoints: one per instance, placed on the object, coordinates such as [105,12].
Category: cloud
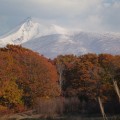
[90,15]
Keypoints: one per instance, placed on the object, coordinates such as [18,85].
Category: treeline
[66,84]
[90,77]
[24,77]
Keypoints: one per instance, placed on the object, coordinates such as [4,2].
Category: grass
[29,115]
[75,118]
[68,118]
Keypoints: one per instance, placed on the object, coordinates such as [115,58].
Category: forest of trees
[27,77]
[89,77]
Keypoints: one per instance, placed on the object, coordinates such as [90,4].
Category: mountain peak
[28,19]
[52,40]
[28,30]
[25,31]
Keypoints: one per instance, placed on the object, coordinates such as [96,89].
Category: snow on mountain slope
[77,43]
[52,40]
[21,33]
[29,29]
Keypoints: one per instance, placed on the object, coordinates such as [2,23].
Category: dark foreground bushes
[59,105]
[72,106]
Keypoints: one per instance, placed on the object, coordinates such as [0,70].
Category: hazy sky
[90,15]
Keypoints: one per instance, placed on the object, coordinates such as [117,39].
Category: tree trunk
[102,109]
[116,89]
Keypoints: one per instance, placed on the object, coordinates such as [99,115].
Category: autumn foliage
[90,76]
[29,80]
[25,76]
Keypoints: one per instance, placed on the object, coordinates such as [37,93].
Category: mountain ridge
[52,40]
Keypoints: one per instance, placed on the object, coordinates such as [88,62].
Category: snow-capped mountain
[29,29]
[52,40]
